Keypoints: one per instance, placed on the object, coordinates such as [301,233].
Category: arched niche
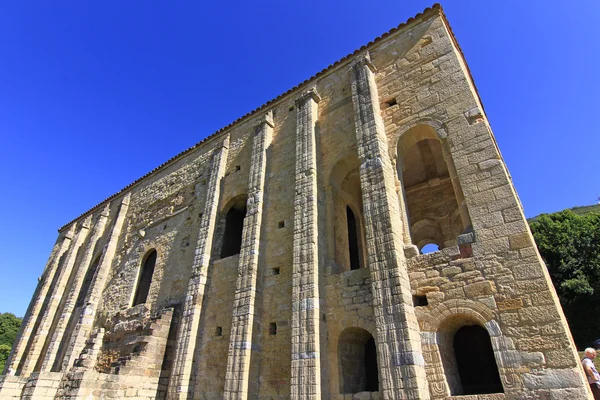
[232,226]
[468,357]
[357,356]
[345,230]
[433,199]
[145,278]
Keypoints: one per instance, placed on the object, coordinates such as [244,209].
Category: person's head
[597,344]
[590,353]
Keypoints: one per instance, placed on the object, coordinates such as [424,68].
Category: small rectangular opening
[291,108]
[219,331]
[391,102]
[237,168]
[281,224]
[273,328]
[275,271]
[420,301]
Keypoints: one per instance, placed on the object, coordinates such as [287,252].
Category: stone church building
[281,257]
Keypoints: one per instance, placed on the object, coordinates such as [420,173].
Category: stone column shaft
[62,278]
[306,359]
[398,338]
[237,385]
[88,313]
[59,332]
[15,359]
[181,383]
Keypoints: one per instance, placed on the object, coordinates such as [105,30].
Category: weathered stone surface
[288,253]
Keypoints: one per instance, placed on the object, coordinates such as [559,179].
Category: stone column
[53,302]
[92,300]
[181,383]
[237,380]
[306,361]
[50,359]
[398,339]
[15,360]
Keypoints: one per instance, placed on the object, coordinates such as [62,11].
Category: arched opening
[432,195]
[429,248]
[145,279]
[87,281]
[345,225]
[357,361]
[468,357]
[475,360]
[234,228]
[352,239]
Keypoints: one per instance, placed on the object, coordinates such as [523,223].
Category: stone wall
[289,316]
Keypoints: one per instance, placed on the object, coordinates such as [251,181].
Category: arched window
[475,361]
[358,361]
[145,279]
[429,248]
[352,239]
[87,281]
[434,201]
[234,228]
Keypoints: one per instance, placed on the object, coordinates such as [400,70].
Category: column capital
[87,222]
[362,60]
[310,93]
[266,118]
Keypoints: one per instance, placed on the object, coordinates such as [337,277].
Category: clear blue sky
[95,94]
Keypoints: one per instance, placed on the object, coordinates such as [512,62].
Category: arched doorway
[357,354]
[475,361]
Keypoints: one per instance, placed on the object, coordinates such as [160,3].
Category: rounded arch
[145,277]
[430,187]
[438,127]
[342,167]
[357,360]
[231,225]
[426,231]
[238,202]
[473,346]
[345,222]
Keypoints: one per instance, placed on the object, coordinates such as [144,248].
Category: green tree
[9,327]
[570,246]
[4,352]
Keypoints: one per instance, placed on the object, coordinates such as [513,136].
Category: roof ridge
[435,7]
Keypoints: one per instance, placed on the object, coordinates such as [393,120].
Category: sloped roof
[435,9]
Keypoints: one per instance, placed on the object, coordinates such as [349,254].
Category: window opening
[273,328]
[430,248]
[352,240]
[420,301]
[234,227]
[145,279]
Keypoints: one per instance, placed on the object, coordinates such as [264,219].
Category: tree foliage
[9,327]
[570,246]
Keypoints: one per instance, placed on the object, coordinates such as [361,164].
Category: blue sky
[95,95]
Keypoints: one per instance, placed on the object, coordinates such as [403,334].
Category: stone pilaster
[181,383]
[32,360]
[398,340]
[88,314]
[51,361]
[237,380]
[306,359]
[15,361]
